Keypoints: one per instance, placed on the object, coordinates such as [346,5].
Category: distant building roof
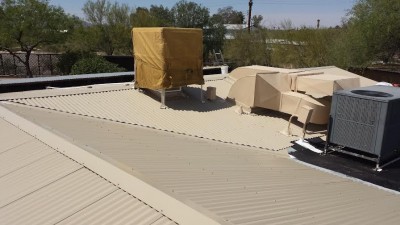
[235,26]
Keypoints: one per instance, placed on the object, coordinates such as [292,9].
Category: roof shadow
[311,128]
[190,100]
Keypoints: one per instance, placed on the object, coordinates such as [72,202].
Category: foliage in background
[190,14]
[372,33]
[30,24]
[109,26]
[69,58]
[230,16]
[248,48]
[156,16]
[94,64]
[305,47]
[256,21]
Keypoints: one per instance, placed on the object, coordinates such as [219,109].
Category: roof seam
[19,145]
[74,94]
[94,202]
[52,182]
[28,164]
[158,219]
[154,128]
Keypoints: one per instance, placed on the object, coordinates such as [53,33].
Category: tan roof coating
[215,120]
[239,185]
[38,185]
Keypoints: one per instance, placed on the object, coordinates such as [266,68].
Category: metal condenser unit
[366,120]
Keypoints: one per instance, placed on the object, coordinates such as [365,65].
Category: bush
[69,58]
[94,64]
[247,49]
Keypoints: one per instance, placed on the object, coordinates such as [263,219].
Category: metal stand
[163,99]
[377,160]
[201,94]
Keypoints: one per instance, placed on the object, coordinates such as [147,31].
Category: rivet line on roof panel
[63,95]
[142,125]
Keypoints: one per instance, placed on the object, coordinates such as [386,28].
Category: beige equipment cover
[271,90]
[167,57]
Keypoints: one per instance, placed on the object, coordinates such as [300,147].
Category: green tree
[156,16]
[190,14]
[110,23]
[230,16]
[256,21]
[164,16]
[371,33]
[248,48]
[29,24]
[143,18]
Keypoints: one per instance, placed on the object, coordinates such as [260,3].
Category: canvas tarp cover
[167,57]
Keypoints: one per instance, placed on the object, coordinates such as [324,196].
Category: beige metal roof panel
[34,176]
[22,155]
[13,138]
[239,185]
[215,120]
[116,208]
[121,178]
[55,202]
[45,187]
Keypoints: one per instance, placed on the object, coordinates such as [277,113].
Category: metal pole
[51,65]
[38,62]
[15,67]
[249,18]
[2,64]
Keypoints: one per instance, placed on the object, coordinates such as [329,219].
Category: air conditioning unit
[366,120]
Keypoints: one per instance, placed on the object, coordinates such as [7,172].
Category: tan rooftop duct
[272,90]
[291,90]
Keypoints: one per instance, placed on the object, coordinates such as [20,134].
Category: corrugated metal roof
[38,185]
[240,185]
[116,209]
[215,120]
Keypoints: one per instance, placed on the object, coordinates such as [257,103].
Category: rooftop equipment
[167,58]
[365,122]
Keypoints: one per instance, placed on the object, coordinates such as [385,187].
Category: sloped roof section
[239,185]
[39,185]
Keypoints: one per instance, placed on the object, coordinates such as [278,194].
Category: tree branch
[13,54]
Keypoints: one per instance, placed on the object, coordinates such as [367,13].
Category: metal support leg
[304,130]
[288,132]
[201,94]
[163,99]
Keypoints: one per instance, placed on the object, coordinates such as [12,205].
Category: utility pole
[318,23]
[249,18]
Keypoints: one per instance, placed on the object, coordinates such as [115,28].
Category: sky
[299,12]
